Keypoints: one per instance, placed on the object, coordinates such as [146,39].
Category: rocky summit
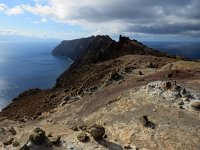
[115,96]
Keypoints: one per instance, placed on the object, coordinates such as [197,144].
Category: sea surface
[187,49]
[28,65]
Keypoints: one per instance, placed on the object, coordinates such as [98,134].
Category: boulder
[38,137]
[97,132]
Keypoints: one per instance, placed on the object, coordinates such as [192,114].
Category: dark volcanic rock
[38,137]
[72,48]
[97,132]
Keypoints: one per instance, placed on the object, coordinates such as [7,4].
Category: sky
[145,20]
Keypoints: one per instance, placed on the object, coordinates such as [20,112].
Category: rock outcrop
[72,48]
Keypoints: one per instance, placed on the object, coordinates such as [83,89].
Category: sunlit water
[27,65]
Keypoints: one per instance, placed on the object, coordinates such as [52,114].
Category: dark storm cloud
[145,16]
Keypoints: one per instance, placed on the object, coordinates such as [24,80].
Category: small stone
[74,128]
[15,144]
[181,107]
[82,127]
[83,137]
[167,85]
[56,141]
[2,131]
[143,120]
[105,136]
[170,75]
[154,110]
[38,113]
[186,99]
[52,95]
[127,147]
[180,103]
[183,92]
[97,132]
[12,131]
[176,88]
[140,73]
[25,147]
[195,106]
[67,98]
[49,135]
[8,142]
[63,103]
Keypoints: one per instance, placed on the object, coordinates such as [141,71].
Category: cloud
[15,11]
[3,7]
[121,16]
[20,34]
[13,32]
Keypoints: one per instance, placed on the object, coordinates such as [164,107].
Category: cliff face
[72,48]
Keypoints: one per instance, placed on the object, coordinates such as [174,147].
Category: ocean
[28,65]
[187,49]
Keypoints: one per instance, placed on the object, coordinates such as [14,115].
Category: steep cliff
[72,48]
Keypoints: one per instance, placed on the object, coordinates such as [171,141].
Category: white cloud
[4,32]
[13,32]
[38,9]
[17,10]
[3,7]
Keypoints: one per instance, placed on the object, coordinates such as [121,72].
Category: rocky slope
[135,98]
